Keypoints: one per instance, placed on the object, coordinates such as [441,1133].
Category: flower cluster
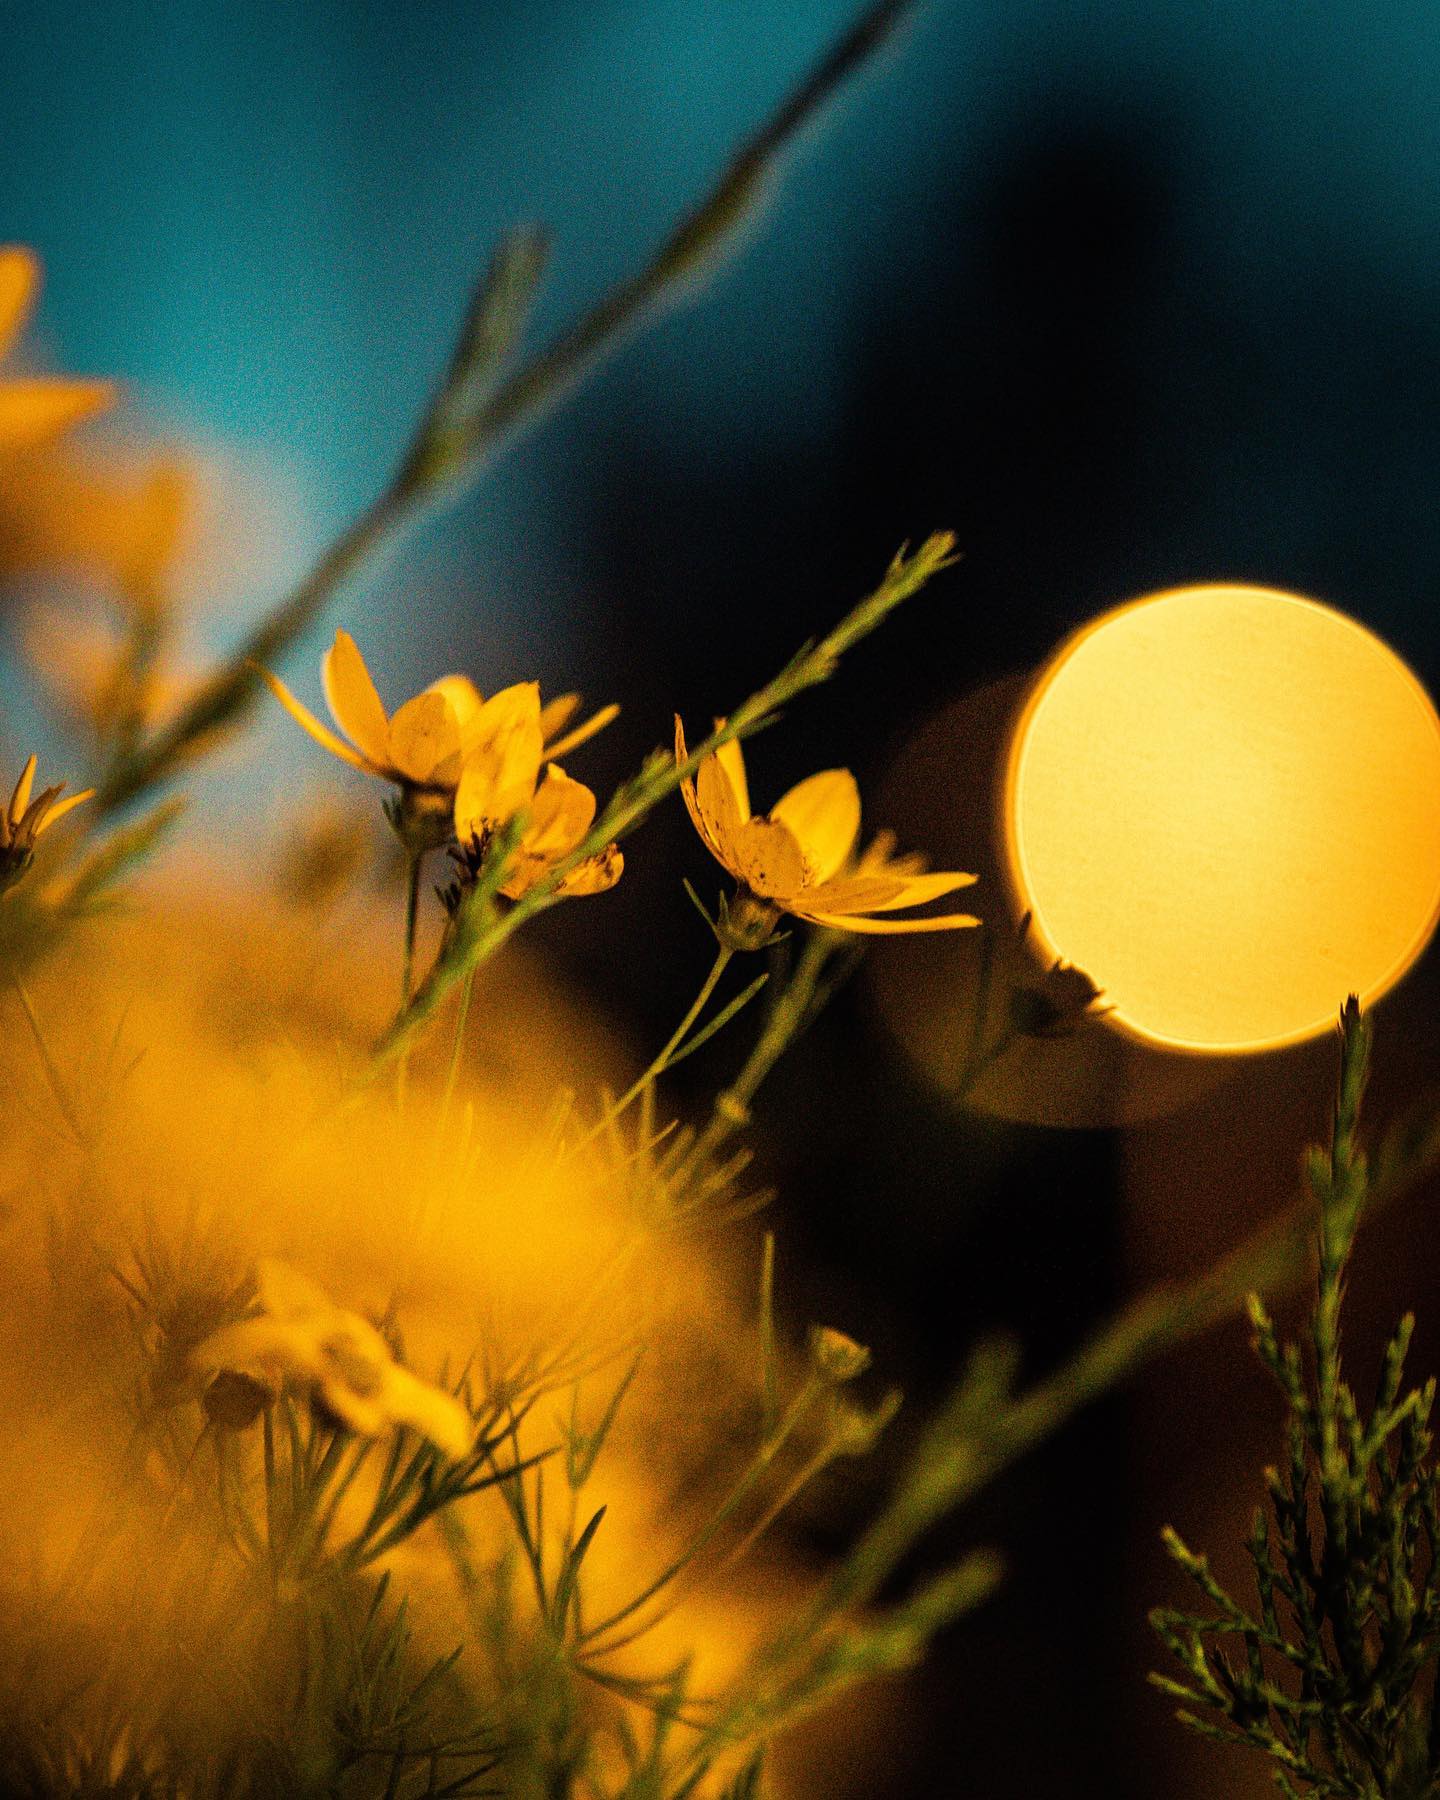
[466,766]
[264,1428]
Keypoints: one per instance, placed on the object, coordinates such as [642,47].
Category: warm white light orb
[1223,803]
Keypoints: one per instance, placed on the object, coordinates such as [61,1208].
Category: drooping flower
[558,814]
[301,1339]
[35,409]
[26,817]
[799,858]
[424,747]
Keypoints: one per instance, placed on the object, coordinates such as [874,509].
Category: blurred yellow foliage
[191,1121]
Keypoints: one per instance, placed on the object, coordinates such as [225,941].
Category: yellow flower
[560,812]
[427,744]
[300,1338]
[799,857]
[26,817]
[35,409]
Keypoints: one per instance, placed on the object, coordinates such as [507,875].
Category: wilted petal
[823,815]
[354,704]
[719,804]
[768,859]
[597,874]
[692,804]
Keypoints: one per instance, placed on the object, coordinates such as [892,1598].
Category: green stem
[233,687]
[662,1061]
[458,433]
[745,1485]
[457,1049]
[794,1005]
[412,915]
[969,1445]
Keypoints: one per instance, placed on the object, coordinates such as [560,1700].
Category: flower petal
[768,859]
[465,701]
[407,1400]
[823,814]
[731,758]
[287,1294]
[874,893]
[20,799]
[562,812]
[692,804]
[354,704]
[424,739]
[260,1343]
[597,874]
[39,408]
[854,922]
[357,1412]
[501,769]
[719,803]
[322,734]
[556,714]
[19,286]
[53,814]
[582,733]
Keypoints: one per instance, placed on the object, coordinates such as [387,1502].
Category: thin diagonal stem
[662,1061]
[448,449]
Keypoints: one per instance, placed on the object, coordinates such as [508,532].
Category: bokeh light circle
[1223,803]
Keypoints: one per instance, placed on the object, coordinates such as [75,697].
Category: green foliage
[1331,1673]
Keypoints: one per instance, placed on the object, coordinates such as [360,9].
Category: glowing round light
[1224,804]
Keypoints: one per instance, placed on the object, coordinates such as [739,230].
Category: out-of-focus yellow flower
[88,665]
[34,409]
[799,857]
[431,740]
[301,1338]
[26,817]
[100,515]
